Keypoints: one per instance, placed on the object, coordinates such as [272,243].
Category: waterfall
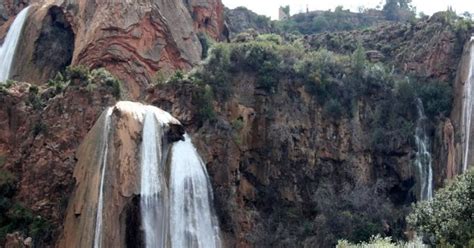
[176,208]
[423,156]
[467,110]
[193,223]
[181,211]
[154,195]
[7,50]
[100,202]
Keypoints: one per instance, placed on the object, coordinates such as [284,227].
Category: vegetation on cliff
[448,219]
[15,217]
[339,86]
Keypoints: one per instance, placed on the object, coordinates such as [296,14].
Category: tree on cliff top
[448,219]
[397,10]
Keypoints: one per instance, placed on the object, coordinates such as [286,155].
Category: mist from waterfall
[467,110]
[423,160]
[8,48]
[154,193]
[100,202]
[193,223]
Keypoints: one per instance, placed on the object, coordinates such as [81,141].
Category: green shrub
[216,71]
[323,74]
[273,38]
[34,99]
[333,109]
[359,61]
[437,98]
[80,72]
[19,218]
[320,24]
[59,82]
[203,98]
[378,241]
[406,97]
[448,218]
[101,76]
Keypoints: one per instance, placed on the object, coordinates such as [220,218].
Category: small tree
[396,10]
[359,61]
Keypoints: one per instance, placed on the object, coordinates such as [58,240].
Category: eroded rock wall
[132,40]
[283,173]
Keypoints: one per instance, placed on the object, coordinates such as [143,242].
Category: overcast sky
[270,7]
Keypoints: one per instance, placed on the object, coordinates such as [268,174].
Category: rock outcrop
[133,41]
[115,139]
[428,48]
[40,133]
[242,19]
[47,48]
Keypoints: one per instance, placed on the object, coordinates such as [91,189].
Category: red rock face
[131,40]
[39,143]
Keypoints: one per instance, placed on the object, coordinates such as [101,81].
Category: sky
[270,7]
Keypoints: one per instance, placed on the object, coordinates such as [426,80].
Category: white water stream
[467,110]
[100,203]
[7,50]
[423,161]
[193,223]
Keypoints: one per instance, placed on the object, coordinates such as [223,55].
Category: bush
[104,77]
[273,38]
[448,218]
[333,109]
[34,99]
[19,218]
[437,98]
[216,71]
[203,98]
[59,82]
[90,78]
[320,71]
[380,242]
[79,72]
[359,61]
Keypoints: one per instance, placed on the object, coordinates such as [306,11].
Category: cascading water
[193,223]
[100,203]
[423,156]
[184,212]
[7,50]
[175,192]
[467,110]
[154,193]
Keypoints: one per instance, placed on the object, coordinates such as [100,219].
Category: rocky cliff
[133,41]
[291,162]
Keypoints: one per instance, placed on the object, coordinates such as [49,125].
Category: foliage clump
[448,219]
[15,217]
[378,241]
